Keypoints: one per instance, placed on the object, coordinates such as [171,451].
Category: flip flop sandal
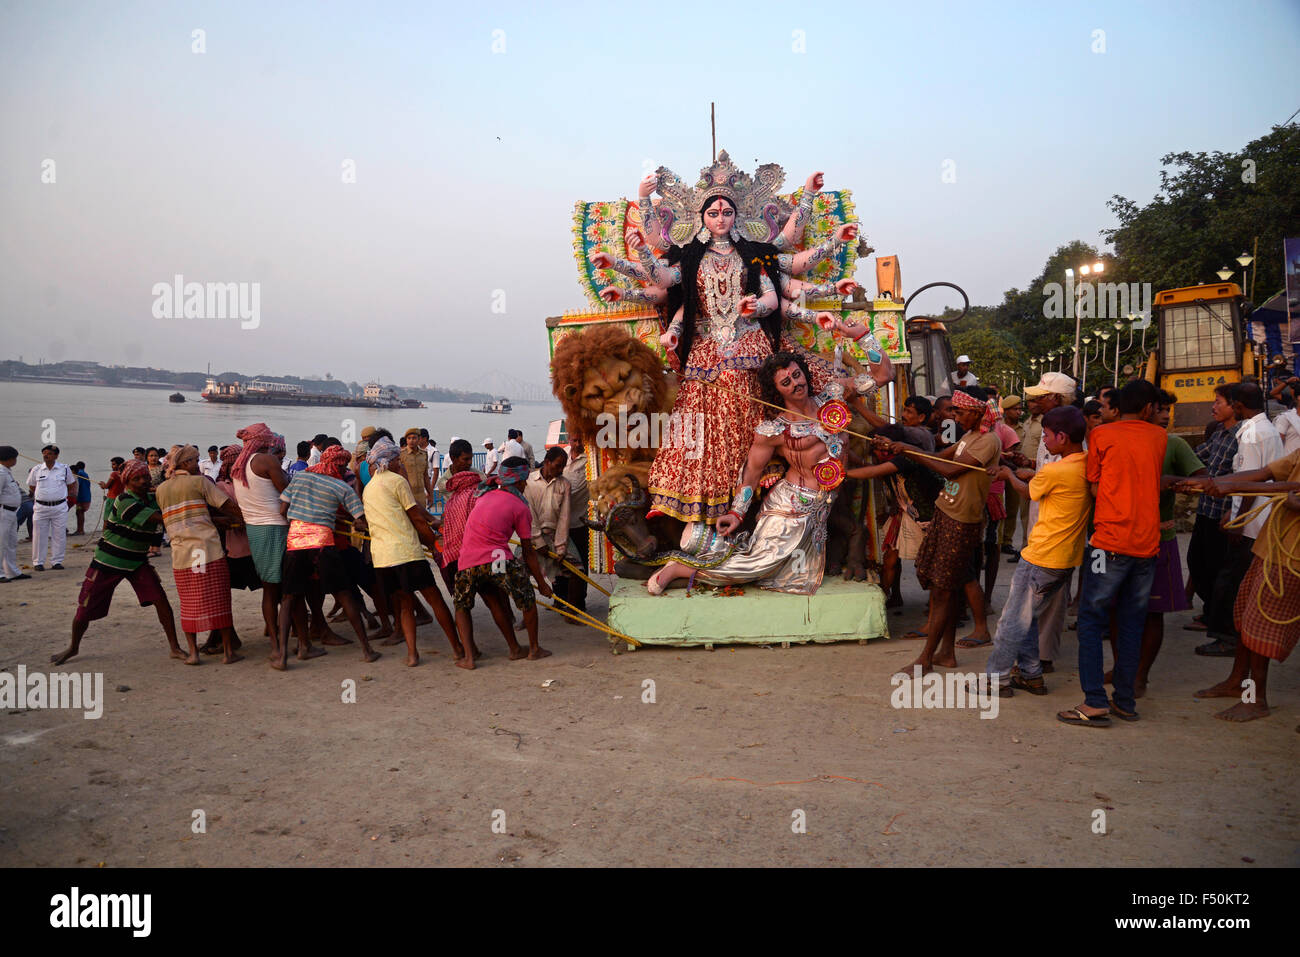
[1075,716]
[1124,715]
[971,643]
[1217,648]
[1032,686]
[914,634]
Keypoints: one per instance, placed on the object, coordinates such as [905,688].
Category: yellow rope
[576,571]
[1278,554]
[589,619]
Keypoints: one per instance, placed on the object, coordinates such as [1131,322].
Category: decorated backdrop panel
[608,226]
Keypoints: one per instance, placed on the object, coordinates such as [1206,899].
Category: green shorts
[513,580]
[267,543]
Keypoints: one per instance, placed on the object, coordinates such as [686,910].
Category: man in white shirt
[963,375]
[317,447]
[211,466]
[1258,444]
[444,466]
[493,458]
[54,490]
[513,447]
[430,448]
[528,449]
[1288,423]
[11,496]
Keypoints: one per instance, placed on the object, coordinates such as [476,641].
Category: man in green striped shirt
[132,524]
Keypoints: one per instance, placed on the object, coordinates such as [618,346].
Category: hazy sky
[226,166]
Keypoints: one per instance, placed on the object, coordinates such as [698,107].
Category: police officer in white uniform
[54,490]
[11,496]
[211,466]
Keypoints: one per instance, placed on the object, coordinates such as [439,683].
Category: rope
[589,620]
[812,418]
[103,507]
[1279,554]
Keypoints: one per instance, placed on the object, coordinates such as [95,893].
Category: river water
[95,423]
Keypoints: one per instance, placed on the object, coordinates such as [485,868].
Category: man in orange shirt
[1125,469]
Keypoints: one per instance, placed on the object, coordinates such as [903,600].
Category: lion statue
[605,370]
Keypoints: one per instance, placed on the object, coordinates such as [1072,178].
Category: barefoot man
[198,561]
[261,479]
[132,523]
[488,567]
[948,560]
[313,567]
[1268,604]
[397,527]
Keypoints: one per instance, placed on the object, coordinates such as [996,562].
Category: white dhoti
[49,531]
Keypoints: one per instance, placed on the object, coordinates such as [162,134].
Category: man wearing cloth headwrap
[949,558]
[487,565]
[239,558]
[258,474]
[398,526]
[313,567]
[462,482]
[132,522]
[198,560]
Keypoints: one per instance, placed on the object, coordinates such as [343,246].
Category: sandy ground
[582,772]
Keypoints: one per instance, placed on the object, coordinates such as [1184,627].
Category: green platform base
[840,611]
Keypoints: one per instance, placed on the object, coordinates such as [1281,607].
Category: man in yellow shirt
[1035,608]
[398,526]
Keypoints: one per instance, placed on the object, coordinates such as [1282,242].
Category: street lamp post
[1118,335]
[1096,267]
[1083,379]
[1104,336]
[1243,261]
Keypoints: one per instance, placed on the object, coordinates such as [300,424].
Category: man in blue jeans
[1124,467]
[1039,590]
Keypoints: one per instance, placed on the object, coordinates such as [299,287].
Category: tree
[993,352]
[1209,209]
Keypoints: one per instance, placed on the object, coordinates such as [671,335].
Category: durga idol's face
[719,217]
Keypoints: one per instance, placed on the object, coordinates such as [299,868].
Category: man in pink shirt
[486,565]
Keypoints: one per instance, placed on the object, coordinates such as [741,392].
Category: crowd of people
[331,523]
[1088,486]
[1091,485]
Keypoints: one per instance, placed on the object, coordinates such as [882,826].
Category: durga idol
[719,287]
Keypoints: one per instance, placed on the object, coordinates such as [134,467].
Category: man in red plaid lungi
[1267,609]
[198,561]
[205,597]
